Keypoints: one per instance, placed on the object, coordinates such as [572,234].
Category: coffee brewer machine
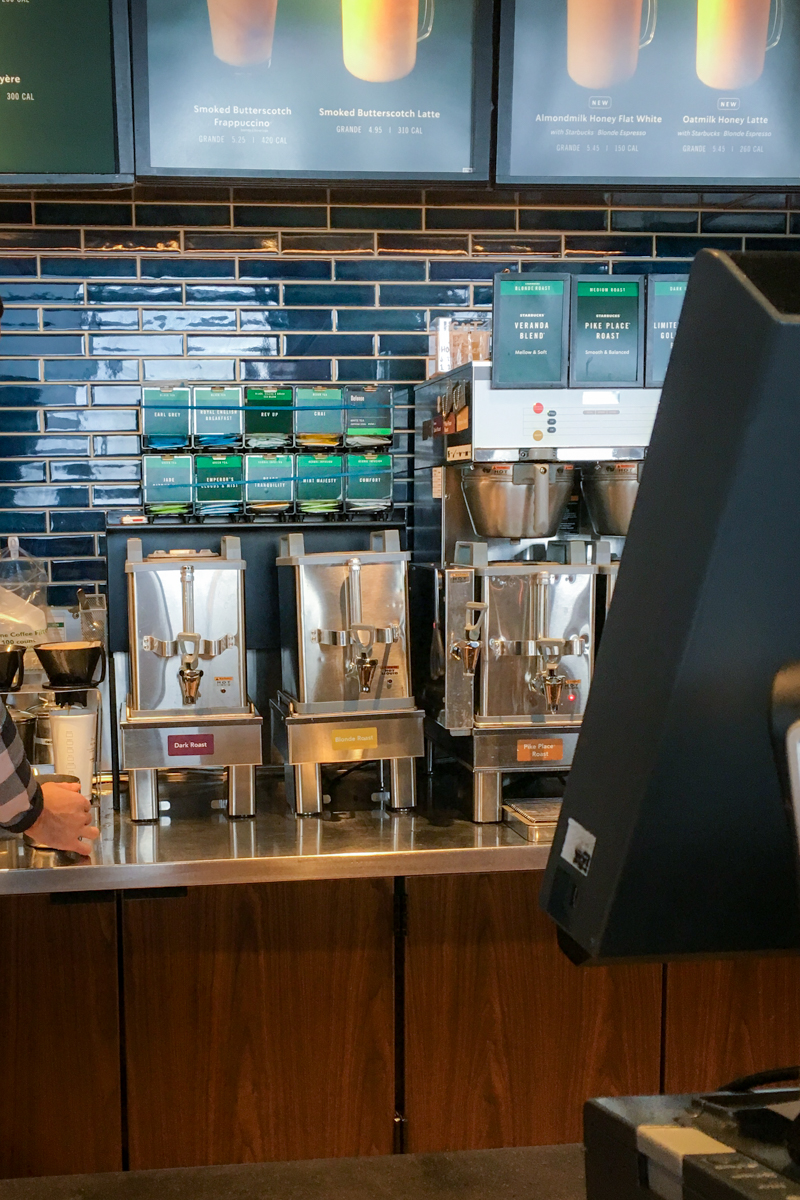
[505,616]
[188,704]
[346,672]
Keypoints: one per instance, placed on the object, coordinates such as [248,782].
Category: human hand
[64,821]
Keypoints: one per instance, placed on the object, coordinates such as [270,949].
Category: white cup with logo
[74,734]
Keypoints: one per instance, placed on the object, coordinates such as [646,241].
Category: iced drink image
[604,38]
[242,30]
[380,37]
[733,37]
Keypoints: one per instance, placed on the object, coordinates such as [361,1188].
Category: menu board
[530,330]
[64,88]
[606,342]
[657,91]
[328,88]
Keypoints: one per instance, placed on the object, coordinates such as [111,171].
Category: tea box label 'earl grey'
[606,343]
[530,331]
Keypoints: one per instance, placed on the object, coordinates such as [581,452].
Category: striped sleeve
[21,799]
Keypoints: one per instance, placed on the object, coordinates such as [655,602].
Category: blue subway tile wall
[105,292]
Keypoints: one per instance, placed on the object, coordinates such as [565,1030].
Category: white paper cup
[74,733]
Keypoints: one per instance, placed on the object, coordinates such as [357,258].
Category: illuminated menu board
[327,88]
[649,91]
[64,91]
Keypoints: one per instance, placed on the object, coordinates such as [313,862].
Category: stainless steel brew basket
[610,490]
[517,500]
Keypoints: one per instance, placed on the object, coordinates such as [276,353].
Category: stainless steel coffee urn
[346,670]
[188,705]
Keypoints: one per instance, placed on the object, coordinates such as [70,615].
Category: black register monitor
[675,837]
[65,95]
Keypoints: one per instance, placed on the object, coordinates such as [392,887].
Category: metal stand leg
[241,792]
[143,795]
[304,788]
[402,784]
[430,757]
[487,796]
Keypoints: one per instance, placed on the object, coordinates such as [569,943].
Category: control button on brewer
[552,412]
[537,435]
[538,408]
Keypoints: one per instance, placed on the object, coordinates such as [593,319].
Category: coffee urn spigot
[549,682]
[468,649]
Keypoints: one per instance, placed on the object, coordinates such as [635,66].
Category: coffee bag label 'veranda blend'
[529,331]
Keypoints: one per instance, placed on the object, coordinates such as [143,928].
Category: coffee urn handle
[541,498]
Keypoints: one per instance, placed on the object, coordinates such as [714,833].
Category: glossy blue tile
[82,214]
[277,268]
[383,370]
[19,422]
[92,420]
[380,320]
[331,343]
[133,293]
[616,245]
[23,522]
[89,268]
[194,370]
[41,239]
[99,471]
[116,444]
[88,318]
[181,214]
[15,213]
[58,547]
[398,295]
[78,570]
[41,343]
[654,221]
[123,369]
[46,293]
[483,294]
[284,370]
[649,266]
[10,268]
[136,343]
[26,396]
[772,243]
[47,447]
[570,266]
[482,270]
[20,318]
[202,294]
[20,471]
[567,219]
[328,293]
[188,318]
[286,320]
[687,247]
[280,216]
[188,268]
[379,270]
[63,597]
[743,222]
[77,522]
[116,497]
[116,395]
[252,345]
[403,344]
[114,240]
[363,216]
[44,497]
[11,370]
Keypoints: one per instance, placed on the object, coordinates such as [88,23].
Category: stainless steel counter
[196,844]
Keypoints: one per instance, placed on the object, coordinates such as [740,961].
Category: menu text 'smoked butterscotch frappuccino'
[733,37]
[379,37]
[242,31]
[604,38]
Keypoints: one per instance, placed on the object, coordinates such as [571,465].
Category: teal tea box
[320,483]
[318,416]
[268,417]
[218,416]
[218,483]
[268,482]
[368,482]
[167,482]
[368,416]
[166,419]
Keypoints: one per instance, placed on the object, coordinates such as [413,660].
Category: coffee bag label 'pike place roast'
[605,333]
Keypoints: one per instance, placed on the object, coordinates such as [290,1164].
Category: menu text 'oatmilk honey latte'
[733,37]
[242,31]
[379,37]
[604,38]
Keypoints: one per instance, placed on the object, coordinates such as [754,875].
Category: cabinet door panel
[505,1038]
[259,1023]
[60,1110]
[729,1017]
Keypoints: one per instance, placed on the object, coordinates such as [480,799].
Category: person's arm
[21,800]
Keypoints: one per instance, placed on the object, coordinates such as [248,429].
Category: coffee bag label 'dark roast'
[650,90]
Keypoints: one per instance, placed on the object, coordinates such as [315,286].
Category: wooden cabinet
[60,1109]
[260,1023]
[505,1038]
[729,1017]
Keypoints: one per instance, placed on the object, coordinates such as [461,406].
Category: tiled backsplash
[106,292]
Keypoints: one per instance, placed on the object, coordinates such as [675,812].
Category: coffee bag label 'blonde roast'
[302,86]
[650,90]
[531,318]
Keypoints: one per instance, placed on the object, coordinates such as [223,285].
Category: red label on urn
[190,744]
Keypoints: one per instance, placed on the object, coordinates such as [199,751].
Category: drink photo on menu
[306,86]
[650,90]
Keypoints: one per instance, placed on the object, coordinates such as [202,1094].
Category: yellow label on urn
[355,739]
